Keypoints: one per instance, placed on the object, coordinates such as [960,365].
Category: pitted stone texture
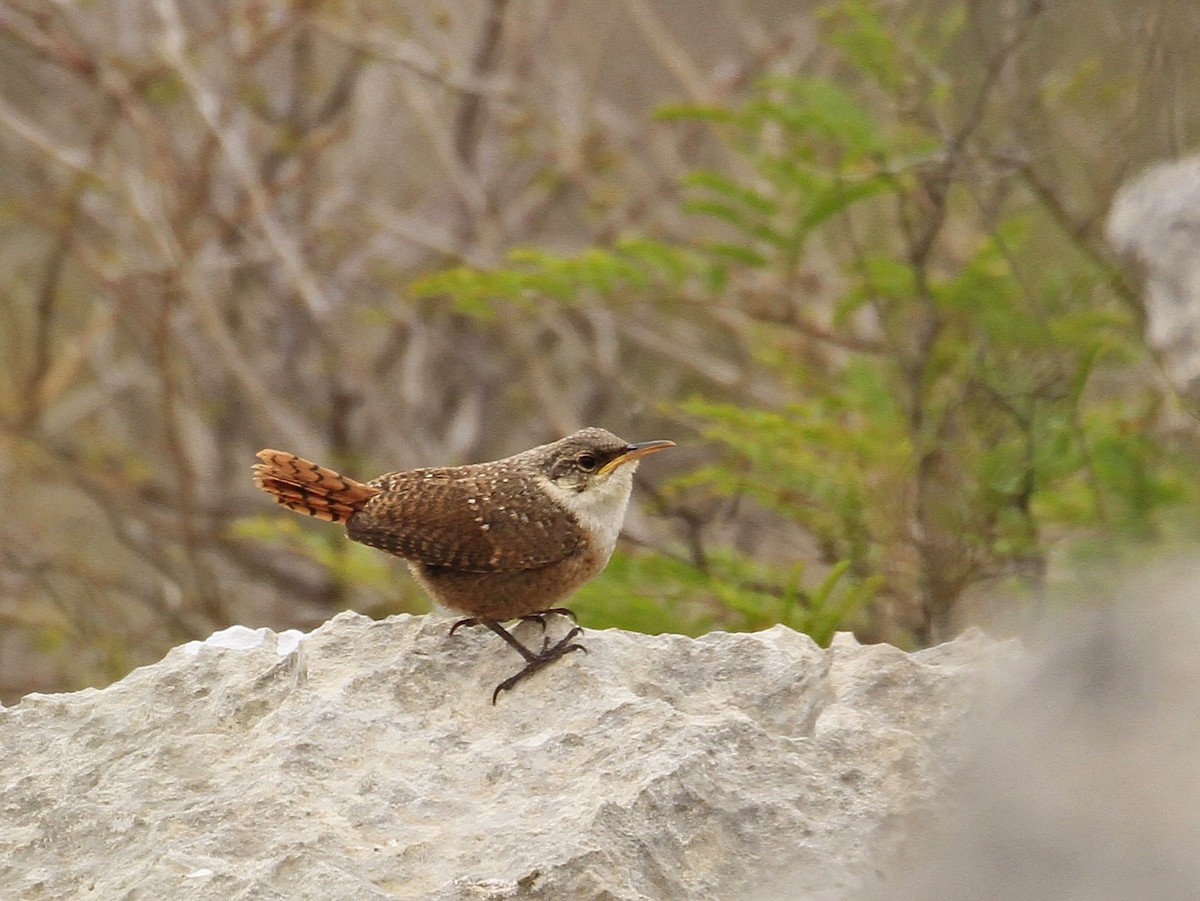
[366,761]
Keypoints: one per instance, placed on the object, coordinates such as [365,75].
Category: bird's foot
[548,654]
[533,661]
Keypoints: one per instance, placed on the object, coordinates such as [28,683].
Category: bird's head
[591,474]
[592,458]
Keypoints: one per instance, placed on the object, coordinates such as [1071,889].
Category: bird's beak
[633,452]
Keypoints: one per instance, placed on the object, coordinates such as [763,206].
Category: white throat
[601,508]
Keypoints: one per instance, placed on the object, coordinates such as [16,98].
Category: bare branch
[208,104]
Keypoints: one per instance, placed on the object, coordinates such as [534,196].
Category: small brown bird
[498,541]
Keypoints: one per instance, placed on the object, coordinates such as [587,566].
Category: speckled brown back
[488,517]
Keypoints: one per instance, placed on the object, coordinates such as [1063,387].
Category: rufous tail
[308,488]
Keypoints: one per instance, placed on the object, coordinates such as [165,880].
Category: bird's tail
[308,488]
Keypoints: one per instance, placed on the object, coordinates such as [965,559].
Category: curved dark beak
[634,452]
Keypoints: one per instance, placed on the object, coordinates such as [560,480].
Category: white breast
[601,508]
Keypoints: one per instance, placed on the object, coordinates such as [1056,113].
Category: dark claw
[546,642]
[465,622]
[539,618]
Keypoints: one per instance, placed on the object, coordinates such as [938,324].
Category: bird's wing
[441,518]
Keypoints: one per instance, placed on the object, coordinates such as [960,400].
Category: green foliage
[976,395]
[837,463]
[533,276]
[656,593]
[811,146]
[976,422]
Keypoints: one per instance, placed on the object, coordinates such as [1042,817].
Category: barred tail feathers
[307,488]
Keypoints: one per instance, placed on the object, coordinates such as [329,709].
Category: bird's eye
[586,462]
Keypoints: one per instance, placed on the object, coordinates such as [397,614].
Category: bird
[506,540]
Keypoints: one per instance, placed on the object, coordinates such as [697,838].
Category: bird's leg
[529,655]
[504,633]
[539,618]
[533,661]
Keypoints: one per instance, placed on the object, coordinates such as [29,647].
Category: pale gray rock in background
[1156,218]
[1086,785]
[366,761]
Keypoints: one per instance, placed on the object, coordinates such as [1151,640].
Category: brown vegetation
[212,212]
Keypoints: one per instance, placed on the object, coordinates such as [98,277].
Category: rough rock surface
[365,760]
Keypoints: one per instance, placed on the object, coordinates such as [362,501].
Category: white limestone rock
[367,761]
[1156,218]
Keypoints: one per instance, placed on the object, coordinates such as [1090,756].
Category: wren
[498,541]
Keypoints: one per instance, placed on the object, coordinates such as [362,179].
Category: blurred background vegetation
[848,254]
